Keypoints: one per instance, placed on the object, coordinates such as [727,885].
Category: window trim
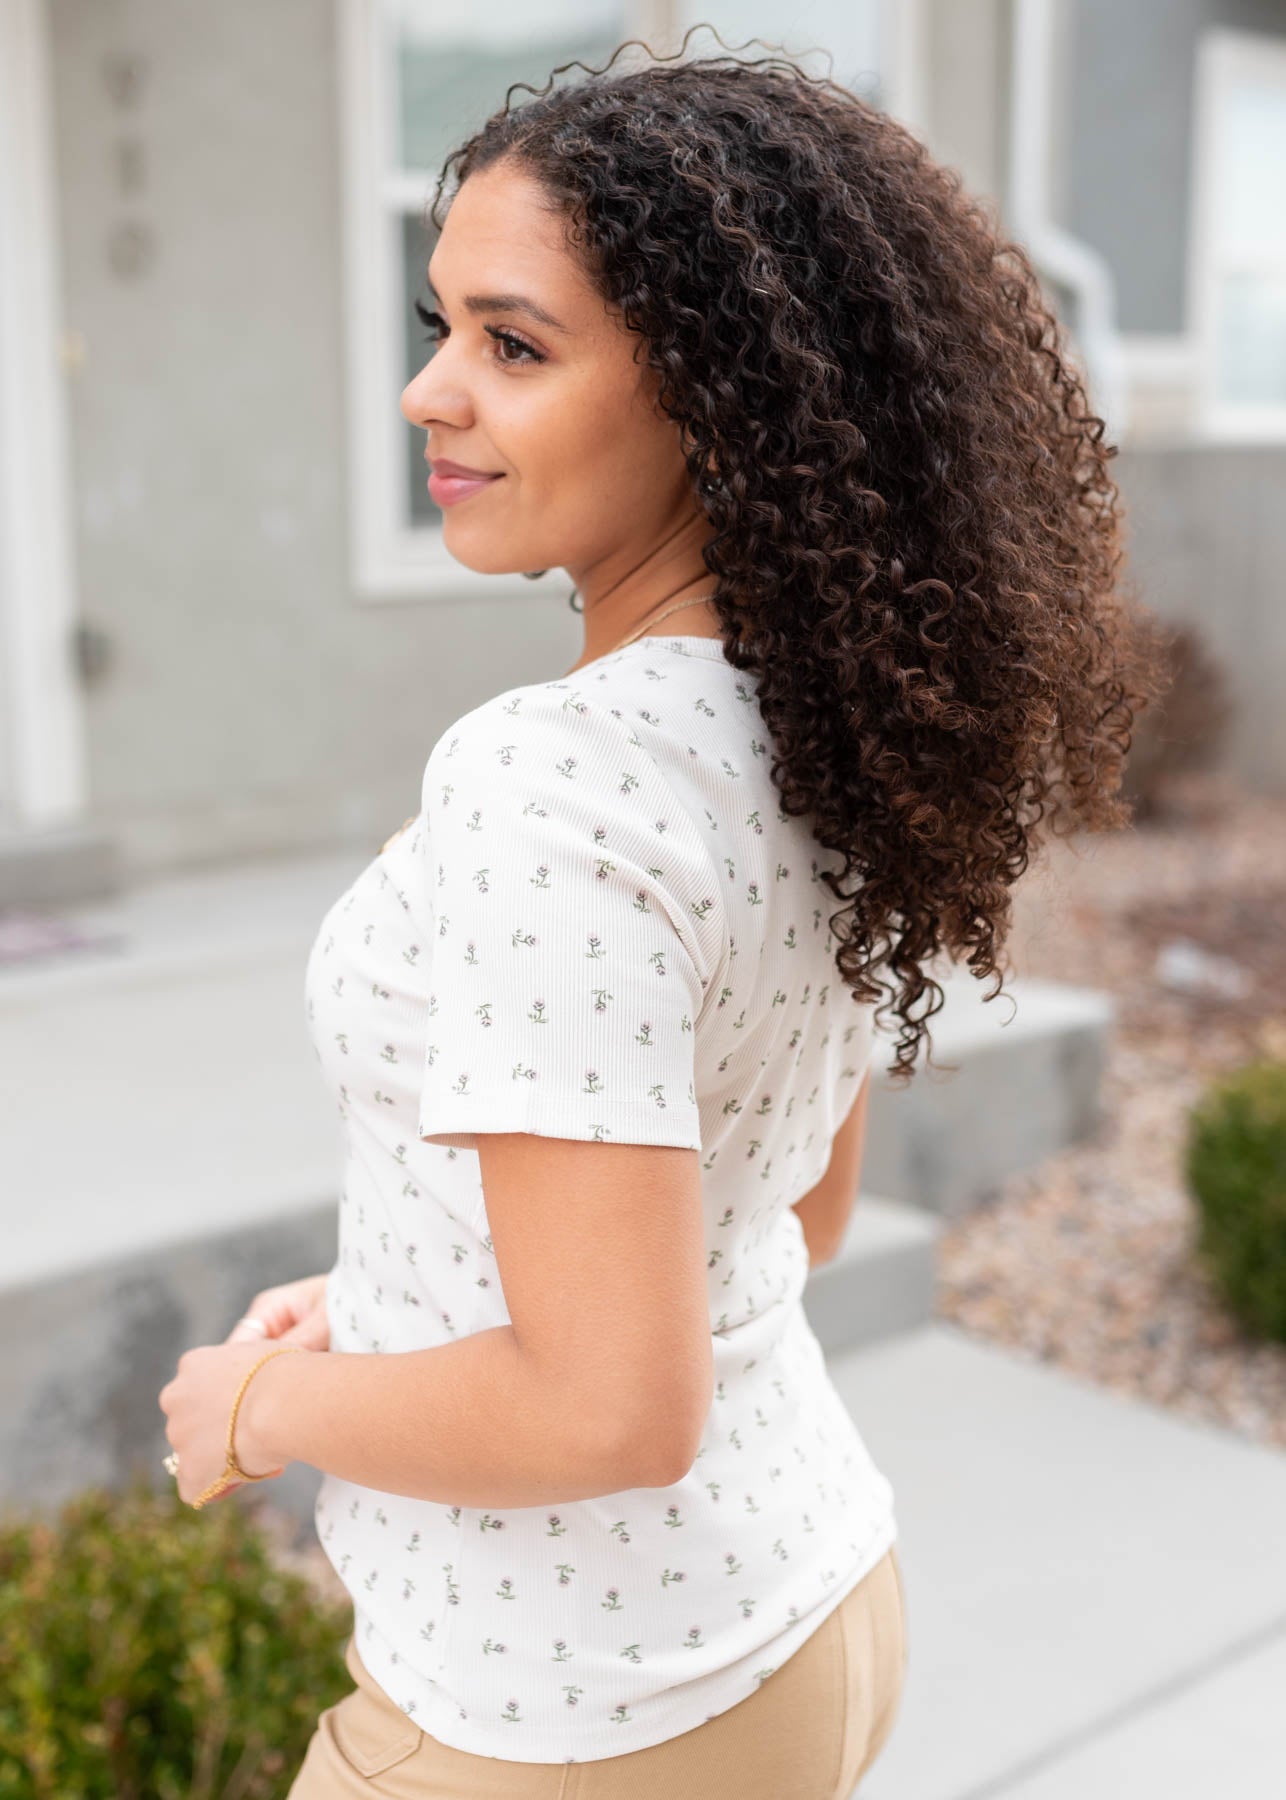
[43,760]
[389,559]
[1222,55]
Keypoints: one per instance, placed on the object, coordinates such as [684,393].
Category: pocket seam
[383,1756]
[386,1752]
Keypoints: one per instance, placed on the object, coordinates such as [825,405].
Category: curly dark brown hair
[916,537]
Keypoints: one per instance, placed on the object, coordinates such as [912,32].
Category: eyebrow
[484,303]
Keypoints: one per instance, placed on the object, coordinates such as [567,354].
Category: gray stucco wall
[252,703]
[1130,126]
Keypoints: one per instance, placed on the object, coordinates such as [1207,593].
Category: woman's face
[561,408]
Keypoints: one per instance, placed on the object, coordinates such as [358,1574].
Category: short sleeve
[577,926]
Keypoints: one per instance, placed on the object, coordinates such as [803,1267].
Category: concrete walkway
[1095,1587]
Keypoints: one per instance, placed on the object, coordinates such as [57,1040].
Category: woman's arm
[824,1211]
[470,1423]
[600,1379]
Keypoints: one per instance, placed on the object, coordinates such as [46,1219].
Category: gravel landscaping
[1087,1262]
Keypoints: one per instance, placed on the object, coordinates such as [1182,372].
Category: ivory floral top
[600,925]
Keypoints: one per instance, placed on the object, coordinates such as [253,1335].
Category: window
[418,76]
[1238,240]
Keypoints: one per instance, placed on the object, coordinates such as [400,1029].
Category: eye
[525,351]
[521,349]
[438,325]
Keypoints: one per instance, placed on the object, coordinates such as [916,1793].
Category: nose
[434,396]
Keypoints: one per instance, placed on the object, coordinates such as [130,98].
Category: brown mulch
[1087,1262]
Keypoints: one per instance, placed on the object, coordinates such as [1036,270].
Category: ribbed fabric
[600,925]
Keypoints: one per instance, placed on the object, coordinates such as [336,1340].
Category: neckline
[708,646]
[712,647]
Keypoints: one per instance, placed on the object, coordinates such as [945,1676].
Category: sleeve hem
[457,1124]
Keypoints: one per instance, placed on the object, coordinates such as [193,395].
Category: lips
[443,465]
[451,481]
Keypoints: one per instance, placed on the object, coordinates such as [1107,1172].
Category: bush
[148,1652]
[1236,1170]
[1184,731]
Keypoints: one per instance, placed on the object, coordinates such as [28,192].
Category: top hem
[439,1719]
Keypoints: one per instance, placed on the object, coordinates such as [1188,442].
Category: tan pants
[809,1731]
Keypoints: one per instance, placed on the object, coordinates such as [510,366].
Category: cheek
[611,448]
[589,460]
[574,449]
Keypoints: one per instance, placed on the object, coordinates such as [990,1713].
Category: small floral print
[579,827]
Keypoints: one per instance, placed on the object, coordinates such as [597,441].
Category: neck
[622,597]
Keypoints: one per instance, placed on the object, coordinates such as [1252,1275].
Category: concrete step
[1028,1069]
[58,866]
[85,1351]
[881,1281]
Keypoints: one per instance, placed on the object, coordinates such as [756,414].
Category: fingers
[289,1312]
[242,1333]
[312,1331]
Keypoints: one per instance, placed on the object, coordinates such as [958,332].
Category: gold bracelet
[232,1468]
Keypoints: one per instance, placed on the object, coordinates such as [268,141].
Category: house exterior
[227,625]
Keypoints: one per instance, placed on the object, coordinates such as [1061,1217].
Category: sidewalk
[1096,1588]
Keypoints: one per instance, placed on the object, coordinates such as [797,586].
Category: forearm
[469,1423]
[818,1249]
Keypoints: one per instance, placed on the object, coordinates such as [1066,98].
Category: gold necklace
[698,601]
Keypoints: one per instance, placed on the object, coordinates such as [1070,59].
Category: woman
[725,344]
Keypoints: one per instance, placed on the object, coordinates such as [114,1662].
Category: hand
[294,1313]
[197,1405]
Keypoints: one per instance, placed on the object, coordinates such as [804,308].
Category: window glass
[1248,225]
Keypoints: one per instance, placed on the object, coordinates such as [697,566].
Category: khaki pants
[810,1731]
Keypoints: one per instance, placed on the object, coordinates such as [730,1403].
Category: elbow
[663,1449]
[637,1461]
[654,1440]
[665,1471]
[673,1451]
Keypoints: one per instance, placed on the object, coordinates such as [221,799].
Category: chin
[484,557]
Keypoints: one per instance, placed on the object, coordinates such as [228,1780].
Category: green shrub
[1236,1170]
[149,1652]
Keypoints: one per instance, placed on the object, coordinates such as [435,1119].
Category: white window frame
[1222,56]
[391,559]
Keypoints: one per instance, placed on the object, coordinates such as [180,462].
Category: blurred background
[229,636]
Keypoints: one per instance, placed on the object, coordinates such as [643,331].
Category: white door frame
[42,773]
